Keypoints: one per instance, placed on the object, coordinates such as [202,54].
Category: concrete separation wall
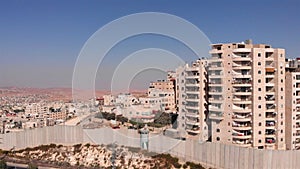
[211,154]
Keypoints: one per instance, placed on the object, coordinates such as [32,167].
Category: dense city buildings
[246,88]
[245,94]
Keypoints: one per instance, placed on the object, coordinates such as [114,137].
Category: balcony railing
[241,116]
[242,82]
[271,123]
[270,141]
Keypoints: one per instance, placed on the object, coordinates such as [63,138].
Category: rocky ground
[98,156]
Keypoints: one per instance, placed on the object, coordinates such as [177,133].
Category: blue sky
[40,40]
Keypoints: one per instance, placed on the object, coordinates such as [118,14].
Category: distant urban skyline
[40,41]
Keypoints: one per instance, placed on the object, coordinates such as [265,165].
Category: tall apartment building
[191,100]
[292,109]
[247,95]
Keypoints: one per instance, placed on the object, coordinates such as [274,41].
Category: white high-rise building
[191,100]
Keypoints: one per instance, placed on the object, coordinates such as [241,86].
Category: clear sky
[40,40]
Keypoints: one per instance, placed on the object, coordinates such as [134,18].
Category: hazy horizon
[40,40]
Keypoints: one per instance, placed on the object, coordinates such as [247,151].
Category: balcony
[270,133]
[192,122]
[241,65]
[194,92]
[193,131]
[214,108]
[194,115]
[192,69]
[270,91]
[192,107]
[215,92]
[192,84]
[216,100]
[242,100]
[270,97]
[242,118]
[242,136]
[192,99]
[216,116]
[270,69]
[215,72]
[242,50]
[270,141]
[270,75]
[195,76]
[242,83]
[240,75]
[216,66]
[269,50]
[215,51]
[242,127]
[242,91]
[270,106]
[241,109]
[215,81]
[242,143]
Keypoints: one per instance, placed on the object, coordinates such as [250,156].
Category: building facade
[192,100]
[247,94]
[165,90]
[292,109]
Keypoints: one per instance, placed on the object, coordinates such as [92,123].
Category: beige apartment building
[247,95]
[292,109]
[165,90]
[192,100]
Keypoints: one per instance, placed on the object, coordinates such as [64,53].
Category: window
[218,138]
[259,89]
[259,106]
[259,132]
[218,130]
[281,89]
[259,55]
[259,80]
[259,124]
[281,131]
[259,98]
[281,139]
[259,72]
[259,141]
[259,63]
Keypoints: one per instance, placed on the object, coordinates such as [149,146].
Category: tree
[3,164]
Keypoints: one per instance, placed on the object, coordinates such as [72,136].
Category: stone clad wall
[212,154]
[41,136]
